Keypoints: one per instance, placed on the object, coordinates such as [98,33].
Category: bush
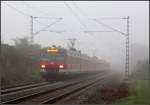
[19,64]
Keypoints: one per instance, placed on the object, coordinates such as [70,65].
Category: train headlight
[61,66]
[43,66]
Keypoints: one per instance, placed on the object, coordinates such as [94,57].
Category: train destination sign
[55,50]
[52,50]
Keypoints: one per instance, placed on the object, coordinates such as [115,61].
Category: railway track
[48,93]
[4,91]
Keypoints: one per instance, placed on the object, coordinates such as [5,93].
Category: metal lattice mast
[127,42]
[127,51]
[31,30]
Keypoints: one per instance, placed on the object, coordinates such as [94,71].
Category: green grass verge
[37,76]
[139,93]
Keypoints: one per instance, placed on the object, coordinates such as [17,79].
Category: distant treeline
[19,63]
[141,69]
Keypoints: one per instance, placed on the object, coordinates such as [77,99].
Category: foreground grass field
[139,93]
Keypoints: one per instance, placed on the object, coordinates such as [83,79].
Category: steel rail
[14,89]
[69,91]
[23,95]
[71,98]
[53,96]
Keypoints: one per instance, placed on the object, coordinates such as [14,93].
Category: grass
[139,93]
[37,76]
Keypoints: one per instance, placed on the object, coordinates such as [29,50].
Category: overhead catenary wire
[77,17]
[111,18]
[46,27]
[86,16]
[25,14]
[57,31]
[97,31]
[74,14]
[99,22]
[40,22]
[27,5]
[39,11]
[83,13]
[12,7]
[28,15]
[116,30]
[80,10]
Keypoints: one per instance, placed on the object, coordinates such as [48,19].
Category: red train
[56,59]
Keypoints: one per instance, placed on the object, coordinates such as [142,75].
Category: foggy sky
[109,46]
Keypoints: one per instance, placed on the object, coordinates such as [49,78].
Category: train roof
[83,55]
[77,53]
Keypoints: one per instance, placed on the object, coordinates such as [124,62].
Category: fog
[77,17]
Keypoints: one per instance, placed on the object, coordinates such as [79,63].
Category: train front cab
[52,62]
[51,67]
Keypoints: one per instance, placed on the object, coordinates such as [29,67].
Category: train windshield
[54,56]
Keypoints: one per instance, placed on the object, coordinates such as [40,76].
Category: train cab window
[53,56]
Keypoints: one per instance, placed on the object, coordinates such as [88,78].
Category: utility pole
[31,29]
[127,51]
